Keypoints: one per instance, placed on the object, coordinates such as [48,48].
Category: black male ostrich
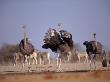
[59,42]
[96,48]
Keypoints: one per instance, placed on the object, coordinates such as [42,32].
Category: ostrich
[17,56]
[26,47]
[43,56]
[61,43]
[81,54]
[93,48]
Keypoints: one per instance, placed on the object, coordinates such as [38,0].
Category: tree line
[6,52]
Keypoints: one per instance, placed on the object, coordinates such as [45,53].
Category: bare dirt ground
[96,76]
[48,73]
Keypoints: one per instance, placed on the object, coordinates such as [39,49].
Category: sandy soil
[46,73]
[96,76]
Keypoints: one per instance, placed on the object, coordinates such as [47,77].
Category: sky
[80,17]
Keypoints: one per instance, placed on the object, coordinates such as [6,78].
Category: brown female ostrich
[26,48]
